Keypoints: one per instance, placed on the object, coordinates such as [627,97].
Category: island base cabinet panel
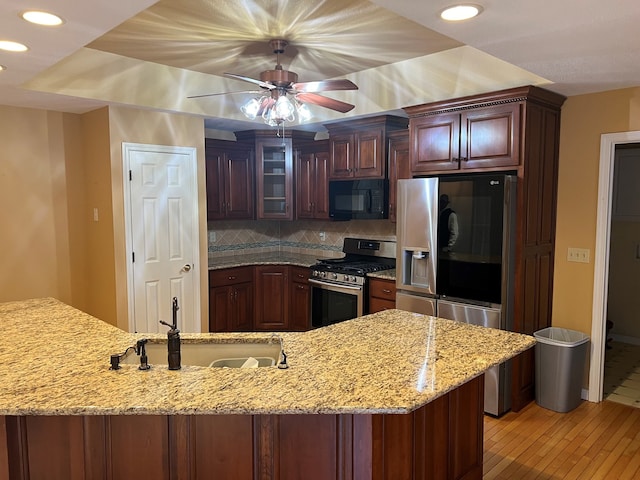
[441,440]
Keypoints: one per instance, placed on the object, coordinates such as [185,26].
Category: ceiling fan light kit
[273,104]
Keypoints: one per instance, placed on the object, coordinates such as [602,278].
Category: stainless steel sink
[213,354]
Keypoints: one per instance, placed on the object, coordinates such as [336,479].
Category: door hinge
[133,257]
[130,175]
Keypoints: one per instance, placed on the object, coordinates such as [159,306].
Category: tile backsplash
[300,236]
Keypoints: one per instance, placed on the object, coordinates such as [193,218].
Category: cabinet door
[219,308]
[305,185]
[272,297]
[369,158]
[435,143]
[342,151]
[274,177]
[239,184]
[214,168]
[299,313]
[490,137]
[399,167]
[241,319]
[382,295]
[321,186]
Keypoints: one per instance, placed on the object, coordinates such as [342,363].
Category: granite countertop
[55,361]
[384,274]
[280,258]
[272,258]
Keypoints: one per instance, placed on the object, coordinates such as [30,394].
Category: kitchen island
[384,396]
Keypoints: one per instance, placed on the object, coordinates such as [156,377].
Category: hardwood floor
[594,441]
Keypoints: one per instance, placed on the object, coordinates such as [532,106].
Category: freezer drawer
[472,314]
[415,303]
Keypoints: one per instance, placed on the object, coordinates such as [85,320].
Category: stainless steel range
[339,286]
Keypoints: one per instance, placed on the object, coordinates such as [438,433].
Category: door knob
[186,268]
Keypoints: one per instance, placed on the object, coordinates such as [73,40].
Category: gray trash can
[560,359]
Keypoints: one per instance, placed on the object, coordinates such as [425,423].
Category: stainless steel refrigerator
[454,259]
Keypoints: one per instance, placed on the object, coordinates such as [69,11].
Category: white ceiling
[154,54]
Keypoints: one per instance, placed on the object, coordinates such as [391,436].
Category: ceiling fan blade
[324,86]
[326,102]
[223,93]
[266,85]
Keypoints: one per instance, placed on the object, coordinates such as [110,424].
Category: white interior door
[162,234]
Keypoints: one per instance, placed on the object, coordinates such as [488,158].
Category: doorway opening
[608,145]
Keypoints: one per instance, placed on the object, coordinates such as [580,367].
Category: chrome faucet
[173,338]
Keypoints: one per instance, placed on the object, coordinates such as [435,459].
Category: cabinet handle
[464,159]
[384,290]
[232,277]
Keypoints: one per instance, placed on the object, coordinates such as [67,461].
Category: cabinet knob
[464,159]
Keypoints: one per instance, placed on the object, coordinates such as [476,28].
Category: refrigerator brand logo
[494,182]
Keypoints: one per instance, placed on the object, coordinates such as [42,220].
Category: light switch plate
[580,255]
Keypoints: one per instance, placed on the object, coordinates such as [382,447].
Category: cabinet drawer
[300,274]
[385,289]
[379,305]
[230,276]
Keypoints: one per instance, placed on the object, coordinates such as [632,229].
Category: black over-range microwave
[358,199]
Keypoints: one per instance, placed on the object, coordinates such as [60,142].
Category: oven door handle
[334,286]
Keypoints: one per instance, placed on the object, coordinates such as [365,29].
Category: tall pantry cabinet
[515,130]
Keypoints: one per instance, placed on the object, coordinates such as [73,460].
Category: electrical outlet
[212,237]
[580,255]
[323,236]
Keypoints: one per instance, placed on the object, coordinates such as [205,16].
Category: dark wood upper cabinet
[357,148]
[312,186]
[399,166]
[484,137]
[229,171]
[274,178]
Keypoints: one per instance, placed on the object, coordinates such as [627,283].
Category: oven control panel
[336,277]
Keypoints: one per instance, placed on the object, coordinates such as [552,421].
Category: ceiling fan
[274,106]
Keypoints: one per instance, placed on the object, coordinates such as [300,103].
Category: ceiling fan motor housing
[279,77]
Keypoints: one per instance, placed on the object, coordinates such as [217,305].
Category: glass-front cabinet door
[274,178]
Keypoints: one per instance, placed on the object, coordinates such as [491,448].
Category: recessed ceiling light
[10,46]
[42,18]
[2,67]
[457,13]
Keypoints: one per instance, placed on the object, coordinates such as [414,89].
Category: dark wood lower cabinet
[441,440]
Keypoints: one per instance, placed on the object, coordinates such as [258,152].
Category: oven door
[332,303]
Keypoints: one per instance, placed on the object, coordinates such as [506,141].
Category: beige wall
[584,119]
[55,169]
[40,152]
